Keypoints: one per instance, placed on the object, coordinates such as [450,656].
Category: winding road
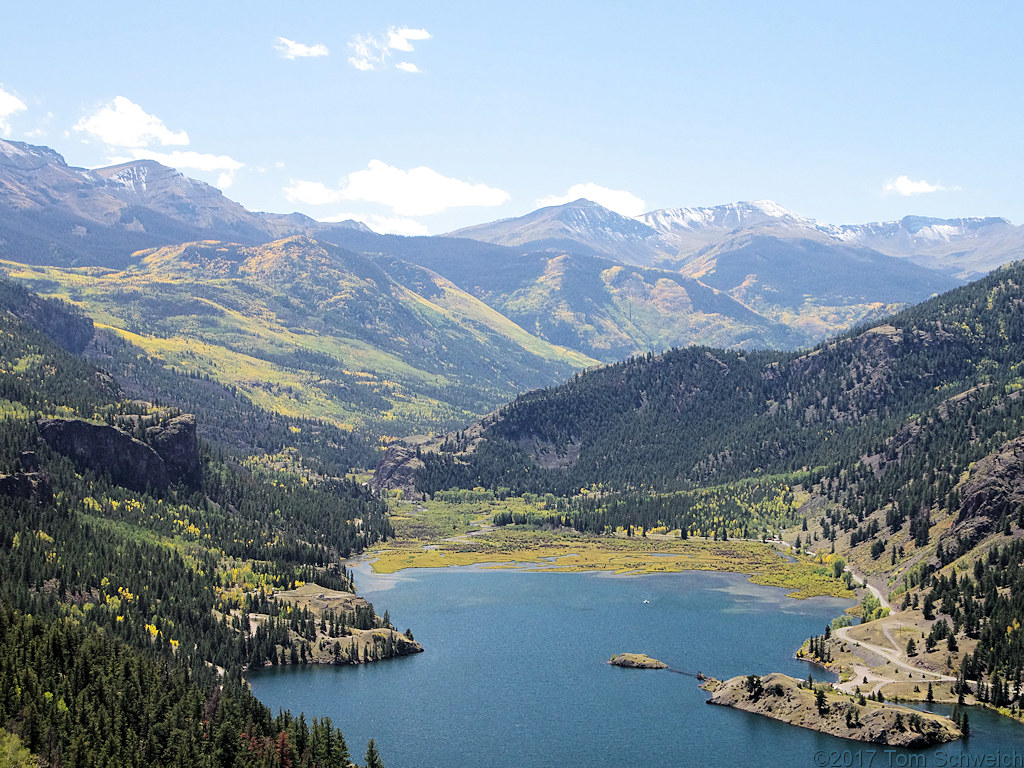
[893,654]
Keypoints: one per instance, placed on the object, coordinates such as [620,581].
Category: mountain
[553,291]
[689,229]
[593,304]
[816,288]
[784,267]
[307,329]
[705,416]
[966,248]
[581,226]
[53,213]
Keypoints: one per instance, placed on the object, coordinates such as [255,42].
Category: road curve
[889,654]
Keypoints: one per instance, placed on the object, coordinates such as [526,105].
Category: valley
[211,419]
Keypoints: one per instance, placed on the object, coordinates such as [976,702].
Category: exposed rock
[170,455]
[108,450]
[995,488]
[355,646]
[709,683]
[636,661]
[27,485]
[176,444]
[403,645]
[783,698]
[29,461]
[397,468]
[547,454]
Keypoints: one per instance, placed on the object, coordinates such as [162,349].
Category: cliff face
[781,697]
[27,485]
[995,488]
[174,456]
[175,443]
[397,469]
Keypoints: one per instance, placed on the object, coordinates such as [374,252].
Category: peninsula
[820,708]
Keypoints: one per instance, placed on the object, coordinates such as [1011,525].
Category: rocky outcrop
[636,661]
[397,469]
[175,442]
[994,488]
[174,457]
[27,485]
[784,698]
[107,450]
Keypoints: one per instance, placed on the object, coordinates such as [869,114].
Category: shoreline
[546,552]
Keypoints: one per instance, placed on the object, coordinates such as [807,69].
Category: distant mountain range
[431,330]
[964,248]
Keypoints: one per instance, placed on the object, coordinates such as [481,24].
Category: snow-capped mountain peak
[17,154]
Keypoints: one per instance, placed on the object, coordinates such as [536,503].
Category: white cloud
[617,200]
[289,49]
[384,225]
[9,105]
[903,185]
[189,160]
[371,52]
[312,193]
[124,126]
[123,123]
[368,52]
[417,192]
[398,39]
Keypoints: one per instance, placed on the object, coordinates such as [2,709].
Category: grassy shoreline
[438,535]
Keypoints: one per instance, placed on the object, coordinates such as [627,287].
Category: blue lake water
[515,675]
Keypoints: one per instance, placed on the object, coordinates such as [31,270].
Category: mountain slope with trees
[701,415]
[307,329]
[127,616]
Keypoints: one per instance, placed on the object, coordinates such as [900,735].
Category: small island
[636,661]
[820,708]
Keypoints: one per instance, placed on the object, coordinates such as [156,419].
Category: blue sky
[424,117]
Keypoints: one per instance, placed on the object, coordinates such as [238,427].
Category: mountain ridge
[58,214]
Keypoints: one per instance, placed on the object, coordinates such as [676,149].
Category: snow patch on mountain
[720,218]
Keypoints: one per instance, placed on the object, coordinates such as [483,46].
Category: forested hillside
[700,416]
[128,616]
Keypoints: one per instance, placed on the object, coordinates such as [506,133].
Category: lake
[515,676]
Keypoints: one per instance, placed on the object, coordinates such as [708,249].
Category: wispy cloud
[617,200]
[289,49]
[904,185]
[9,105]
[418,191]
[373,52]
[123,123]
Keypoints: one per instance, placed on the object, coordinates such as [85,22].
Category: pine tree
[373,756]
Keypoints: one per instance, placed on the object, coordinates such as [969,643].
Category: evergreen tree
[373,756]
